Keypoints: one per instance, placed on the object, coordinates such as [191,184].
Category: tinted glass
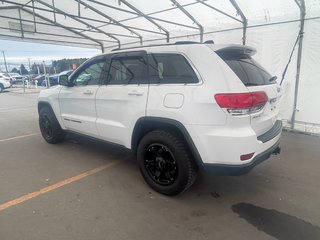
[125,70]
[91,75]
[170,68]
[250,72]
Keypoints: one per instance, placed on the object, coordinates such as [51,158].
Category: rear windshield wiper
[253,65]
[251,84]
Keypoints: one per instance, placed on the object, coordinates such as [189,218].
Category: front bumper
[234,170]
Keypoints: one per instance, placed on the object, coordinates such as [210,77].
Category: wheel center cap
[160,161]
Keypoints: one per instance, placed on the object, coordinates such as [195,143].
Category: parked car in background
[41,80]
[16,78]
[68,73]
[5,76]
[53,80]
[38,80]
[4,82]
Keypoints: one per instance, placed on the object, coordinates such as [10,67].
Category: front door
[123,99]
[77,103]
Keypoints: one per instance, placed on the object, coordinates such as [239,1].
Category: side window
[91,75]
[170,68]
[128,70]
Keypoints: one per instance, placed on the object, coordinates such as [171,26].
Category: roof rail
[166,44]
[186,42]
[209,42]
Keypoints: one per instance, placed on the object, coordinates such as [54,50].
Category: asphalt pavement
[85,189]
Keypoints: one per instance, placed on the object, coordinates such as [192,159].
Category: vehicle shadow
[98,146]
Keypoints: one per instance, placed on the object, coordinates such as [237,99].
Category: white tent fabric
[272,28]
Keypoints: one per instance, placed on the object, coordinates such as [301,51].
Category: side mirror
[64,80]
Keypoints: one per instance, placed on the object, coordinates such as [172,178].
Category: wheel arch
[148,124]
[42,104]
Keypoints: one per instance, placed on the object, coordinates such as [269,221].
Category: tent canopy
[277,29]
[116,23]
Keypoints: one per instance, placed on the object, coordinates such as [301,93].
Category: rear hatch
[256,79]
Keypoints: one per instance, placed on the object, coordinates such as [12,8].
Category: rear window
[128,70]
[170,68]
[250,72]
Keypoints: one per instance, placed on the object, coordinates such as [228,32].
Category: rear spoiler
[236,50]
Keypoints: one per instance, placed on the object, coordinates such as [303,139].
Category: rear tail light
[242,103]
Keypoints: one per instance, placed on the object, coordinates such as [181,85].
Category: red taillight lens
[241,100]
[246,156]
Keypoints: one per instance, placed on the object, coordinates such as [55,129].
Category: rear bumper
[272,133]
[234,170]
[220,147]
[6,84]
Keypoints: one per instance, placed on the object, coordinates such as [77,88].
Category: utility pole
[44,68]
[29,64]
[5,62]
[29,77]
[23,81]
[45,75]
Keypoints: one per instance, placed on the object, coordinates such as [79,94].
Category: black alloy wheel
[160,164]
[46,126]
[50,127]
[165,162]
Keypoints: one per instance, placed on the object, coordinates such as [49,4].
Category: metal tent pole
[80,21]
[64,27]
[110,19]
[139,12]
[244,20]
[182,9]
[302,8]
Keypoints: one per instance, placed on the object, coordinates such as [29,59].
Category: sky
[18,53]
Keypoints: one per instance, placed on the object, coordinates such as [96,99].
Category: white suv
[4,82]
[178,107]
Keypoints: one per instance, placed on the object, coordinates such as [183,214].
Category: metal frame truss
[84,27]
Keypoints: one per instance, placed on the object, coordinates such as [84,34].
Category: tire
[1,88]
[50,127]
[165,163]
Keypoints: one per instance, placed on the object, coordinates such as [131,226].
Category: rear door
[122,100]
[256,78]
[173,85]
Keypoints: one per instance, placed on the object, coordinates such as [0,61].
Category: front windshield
[12,74]
[4,75]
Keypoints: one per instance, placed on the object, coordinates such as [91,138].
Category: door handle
[88,92]
[135,93]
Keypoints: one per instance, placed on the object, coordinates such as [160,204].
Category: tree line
[56,66]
